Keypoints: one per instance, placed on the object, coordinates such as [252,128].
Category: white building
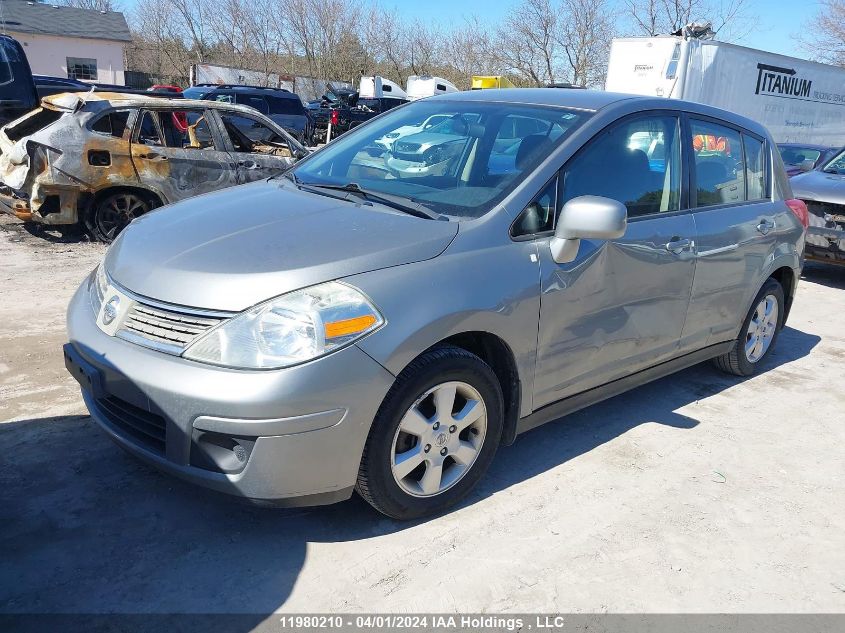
[67,42]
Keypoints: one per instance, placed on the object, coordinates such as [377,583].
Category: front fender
[493,290]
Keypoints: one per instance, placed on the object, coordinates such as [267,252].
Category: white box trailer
[797,100]
[377,87]
[421,86]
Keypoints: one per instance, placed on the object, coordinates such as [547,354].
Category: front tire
[434,435]
[758,334]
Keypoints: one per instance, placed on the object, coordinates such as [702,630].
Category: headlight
[98,287]
[290,329]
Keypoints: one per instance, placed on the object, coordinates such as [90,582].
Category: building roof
[23,16]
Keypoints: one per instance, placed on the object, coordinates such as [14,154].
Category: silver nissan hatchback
[384,316]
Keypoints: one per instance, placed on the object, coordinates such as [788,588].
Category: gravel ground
[700,492]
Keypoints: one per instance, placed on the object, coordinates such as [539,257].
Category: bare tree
[730,18]
[827,27]
[527,41]
[586,31]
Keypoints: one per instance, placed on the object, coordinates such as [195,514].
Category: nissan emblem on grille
[110,310]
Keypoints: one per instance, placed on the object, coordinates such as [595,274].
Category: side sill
[584,399]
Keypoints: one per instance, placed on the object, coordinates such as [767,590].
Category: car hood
[818,185]
[235,248]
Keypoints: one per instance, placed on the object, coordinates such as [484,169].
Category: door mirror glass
[587,217]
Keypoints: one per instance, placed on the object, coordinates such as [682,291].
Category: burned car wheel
[111,213]
[434,435]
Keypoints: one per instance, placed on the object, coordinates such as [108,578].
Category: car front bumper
[301,430]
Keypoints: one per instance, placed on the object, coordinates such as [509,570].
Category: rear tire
[112,212]
[434,435]
[759,332]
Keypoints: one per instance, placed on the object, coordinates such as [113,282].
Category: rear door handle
[153,156]
[248,164]
[765,226]
[677,244]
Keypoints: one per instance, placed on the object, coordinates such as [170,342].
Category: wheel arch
[785,276]
[494,351]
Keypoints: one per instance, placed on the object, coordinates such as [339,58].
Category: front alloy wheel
[434,435]
[439,439]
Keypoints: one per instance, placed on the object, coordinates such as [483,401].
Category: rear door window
[719,166]
[755,167]
[148,130]
[281,105]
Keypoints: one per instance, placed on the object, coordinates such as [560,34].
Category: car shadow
[830,275]
[70,234]
[89,529]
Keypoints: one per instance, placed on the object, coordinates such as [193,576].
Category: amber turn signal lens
[349,326]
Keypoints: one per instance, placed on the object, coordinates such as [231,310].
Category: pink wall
[47,55]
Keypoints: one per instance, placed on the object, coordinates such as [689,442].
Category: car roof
[101,100]
[276,92]
[595,100]
[562,97]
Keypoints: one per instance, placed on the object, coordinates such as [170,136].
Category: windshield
[456,158]
[797,155]
[837,165]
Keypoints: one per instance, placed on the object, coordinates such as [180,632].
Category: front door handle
[677,244]
[765,226]
[248,164]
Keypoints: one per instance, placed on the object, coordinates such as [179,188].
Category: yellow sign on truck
[480,82]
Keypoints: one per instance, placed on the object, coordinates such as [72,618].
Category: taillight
[335,117]
[800,210]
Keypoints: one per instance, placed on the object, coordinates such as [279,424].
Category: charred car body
[823,191]
[102,159]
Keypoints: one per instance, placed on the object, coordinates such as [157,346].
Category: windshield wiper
[396,202]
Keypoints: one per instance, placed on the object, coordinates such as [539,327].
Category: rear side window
[113,123]
[637,162]
[33,123]
[755,167]
[719,165]
[254,101]
[280,105]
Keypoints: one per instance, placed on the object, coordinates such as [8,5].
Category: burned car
[103,159]
[823,191]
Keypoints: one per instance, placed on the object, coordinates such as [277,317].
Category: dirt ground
[697,493]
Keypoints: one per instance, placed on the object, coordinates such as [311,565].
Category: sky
[776,24]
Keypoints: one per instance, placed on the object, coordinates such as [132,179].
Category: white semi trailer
[797,100]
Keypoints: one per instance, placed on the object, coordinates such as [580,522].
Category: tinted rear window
[281,105]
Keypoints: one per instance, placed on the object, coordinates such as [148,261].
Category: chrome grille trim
[164,327]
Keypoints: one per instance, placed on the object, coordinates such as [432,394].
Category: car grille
[164,329]
[135,423]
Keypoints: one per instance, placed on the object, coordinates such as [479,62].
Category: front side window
[719,166]
[253,137]
[458,158]
[837,164]
[254,101]
[81,68]
[637,162]
[539,216]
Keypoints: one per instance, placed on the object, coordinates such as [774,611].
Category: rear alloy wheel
[759,332]
[434,436]
[113,213]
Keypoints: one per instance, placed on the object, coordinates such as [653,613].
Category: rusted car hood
[235,248]
[819,185]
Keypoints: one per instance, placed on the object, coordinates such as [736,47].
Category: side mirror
[587,217]
[807,165]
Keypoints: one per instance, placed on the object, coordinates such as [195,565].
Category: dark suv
[282,106]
